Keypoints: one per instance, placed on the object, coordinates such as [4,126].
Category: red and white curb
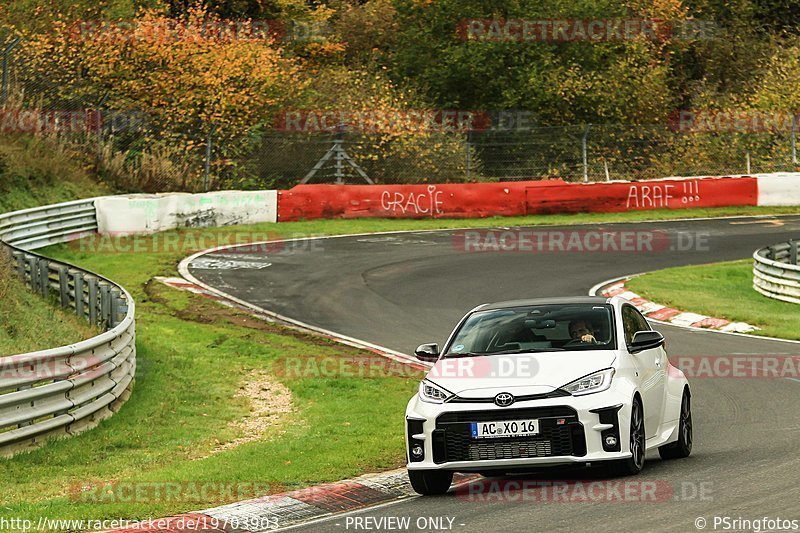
[279,511]
[674,316]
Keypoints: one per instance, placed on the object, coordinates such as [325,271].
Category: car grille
[558,393]
[452,439]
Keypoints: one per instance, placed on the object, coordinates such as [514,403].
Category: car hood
[539,373]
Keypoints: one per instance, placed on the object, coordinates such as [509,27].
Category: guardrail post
[63,285]
[33,263]
[115,305]
[105,302]
[793,252]
[92,283]
[78,277]
[44,278]
[19,259]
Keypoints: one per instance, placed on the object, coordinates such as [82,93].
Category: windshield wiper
[502,352]
[465,354]
[535,350]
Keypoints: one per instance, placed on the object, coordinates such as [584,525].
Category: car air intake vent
[486,451]
[507,414]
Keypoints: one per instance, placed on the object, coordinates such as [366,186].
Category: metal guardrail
[64,390]
[776,273]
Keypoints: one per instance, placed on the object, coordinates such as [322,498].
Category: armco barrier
[64,390]
[511,198]
[776,273]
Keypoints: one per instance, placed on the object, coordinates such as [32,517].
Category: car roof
[545,301]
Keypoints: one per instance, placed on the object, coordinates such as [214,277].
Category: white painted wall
[150,213]
[779,188]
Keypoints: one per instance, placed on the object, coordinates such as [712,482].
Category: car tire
[430,482]
[683,446]
[634,464]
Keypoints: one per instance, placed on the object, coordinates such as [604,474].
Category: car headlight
[596,382]
[429,392]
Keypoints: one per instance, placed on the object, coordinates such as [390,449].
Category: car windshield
[538,328]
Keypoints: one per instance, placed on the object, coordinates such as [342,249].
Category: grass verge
[722,290]
[35,171]
[38,171]
[195,355]
[28,323]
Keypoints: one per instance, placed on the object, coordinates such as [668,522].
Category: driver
[581,330]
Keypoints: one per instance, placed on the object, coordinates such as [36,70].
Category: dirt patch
[270,401]
[204,310]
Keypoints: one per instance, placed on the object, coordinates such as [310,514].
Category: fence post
[794,139]
[748,161]
[6,55]
[99,128]
[585,154]
[468,155]
[792,252]
[207,165]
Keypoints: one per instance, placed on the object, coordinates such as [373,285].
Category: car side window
[642,324]
[632,321]
[628,324]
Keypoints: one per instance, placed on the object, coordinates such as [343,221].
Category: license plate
[505,428]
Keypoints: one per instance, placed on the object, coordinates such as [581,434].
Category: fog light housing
[611,441]
[417,452]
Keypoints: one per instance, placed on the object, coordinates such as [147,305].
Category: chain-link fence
[136,149]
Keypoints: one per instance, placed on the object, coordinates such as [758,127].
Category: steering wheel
[578,342]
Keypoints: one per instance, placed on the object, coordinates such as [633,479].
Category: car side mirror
[427,352]
[645,340]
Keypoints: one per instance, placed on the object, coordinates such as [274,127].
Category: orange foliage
[196,71]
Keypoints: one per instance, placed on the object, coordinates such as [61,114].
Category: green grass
[723,290]
[23,316]
[193,356]
[36,171]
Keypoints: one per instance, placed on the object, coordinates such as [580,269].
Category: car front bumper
[572,430]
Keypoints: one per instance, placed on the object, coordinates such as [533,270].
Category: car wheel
[683,446]
[430,482]
[634,464]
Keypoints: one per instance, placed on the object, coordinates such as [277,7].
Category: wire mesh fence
[140,150]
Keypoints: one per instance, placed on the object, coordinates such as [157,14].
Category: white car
[531,383]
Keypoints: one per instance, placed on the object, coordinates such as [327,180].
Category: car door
[651,365]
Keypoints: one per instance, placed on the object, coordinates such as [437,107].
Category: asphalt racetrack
[400,290]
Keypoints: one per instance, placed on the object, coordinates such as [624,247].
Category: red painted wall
[475,200]
[644,195]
